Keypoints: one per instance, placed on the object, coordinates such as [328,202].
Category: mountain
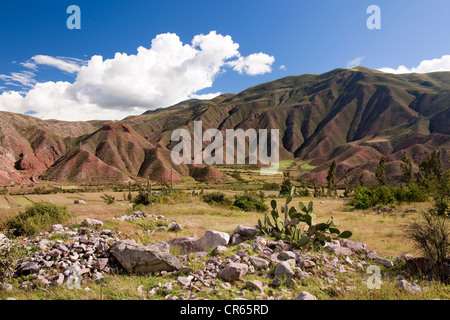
[353,116]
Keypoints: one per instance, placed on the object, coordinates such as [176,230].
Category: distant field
[307,166]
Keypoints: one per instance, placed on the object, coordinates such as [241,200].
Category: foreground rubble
[210,264]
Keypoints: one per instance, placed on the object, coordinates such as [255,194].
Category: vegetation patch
[36,218]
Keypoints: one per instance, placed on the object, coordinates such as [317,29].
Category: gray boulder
[57,228]
[305,296]
[245,231]
[356,247]
[259,263]
[385,262]
[140,259]
[233,271]
[88,222]
[183,244]
[283,269]
[210,240]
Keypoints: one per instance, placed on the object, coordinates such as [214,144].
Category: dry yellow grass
[381,232]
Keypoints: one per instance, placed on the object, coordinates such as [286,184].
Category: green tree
[130,197]
[331,178]
[347,189]
[362,180]
[430,169]
[286,185]
[380,174]
[407,168]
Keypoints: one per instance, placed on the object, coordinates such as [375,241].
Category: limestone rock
[140,259]
[88,222]
[233,271]
[305,296]
[283,269]
[210,240]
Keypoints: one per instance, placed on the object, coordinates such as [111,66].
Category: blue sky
[302,36]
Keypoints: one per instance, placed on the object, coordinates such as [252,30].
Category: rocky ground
[213,263]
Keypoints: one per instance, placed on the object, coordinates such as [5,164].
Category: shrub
[383,195]
[250,202]
[417,193]
[217,198]
[431,235]
[108,198]
[36,218]
[363,198]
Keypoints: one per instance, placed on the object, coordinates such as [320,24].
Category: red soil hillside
[353,116]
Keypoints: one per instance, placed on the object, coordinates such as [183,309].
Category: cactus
[290,230]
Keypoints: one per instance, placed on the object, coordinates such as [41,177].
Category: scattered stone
[255,284]
[372,255]
[356,247]
[260,240]
[28,268]
[305,296]
[410,287]
[258,263]
[233,271]
[306,264]
[276,282]
[167,287]
[6,287]
[88,222]
[385,262]
[174,226]
[244,231]
[57,228]
[98,277]
[283,269]
[286,255]
[185,281]
[290,283]
[220,249]
[210,240]
[183,244]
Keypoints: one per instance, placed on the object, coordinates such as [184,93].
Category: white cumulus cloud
[162,75]
[254,64]
[426,66]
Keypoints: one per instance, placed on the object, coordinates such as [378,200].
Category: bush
[383,195]
[108,199]
[217,198]
[250,202]
[363,198]
[431,235]
[37,218]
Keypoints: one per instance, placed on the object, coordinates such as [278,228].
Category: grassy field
[381,232]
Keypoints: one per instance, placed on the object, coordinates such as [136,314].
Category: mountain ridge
[352,115]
